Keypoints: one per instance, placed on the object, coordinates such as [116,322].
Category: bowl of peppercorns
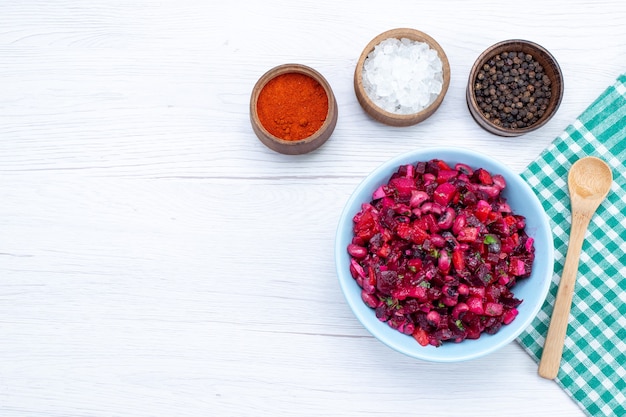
[514,87]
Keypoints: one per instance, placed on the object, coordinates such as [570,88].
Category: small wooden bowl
[295,147]
[387,117]
[551,69]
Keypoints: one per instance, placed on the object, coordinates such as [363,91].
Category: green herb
[489,240]
[392,302]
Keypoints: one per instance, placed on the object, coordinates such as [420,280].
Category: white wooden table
[157,260]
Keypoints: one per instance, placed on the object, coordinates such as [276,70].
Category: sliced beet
[438,251]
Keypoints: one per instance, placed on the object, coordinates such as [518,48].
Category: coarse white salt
[402,76]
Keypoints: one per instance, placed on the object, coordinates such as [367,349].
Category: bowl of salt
[401,77]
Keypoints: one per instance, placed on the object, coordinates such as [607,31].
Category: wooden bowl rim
[293,147]
[393,118]
[515,45]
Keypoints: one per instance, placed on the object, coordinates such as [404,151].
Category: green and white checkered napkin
[592,369]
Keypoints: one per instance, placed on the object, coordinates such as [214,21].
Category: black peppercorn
[517,86]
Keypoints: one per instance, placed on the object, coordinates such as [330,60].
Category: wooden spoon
[589,181]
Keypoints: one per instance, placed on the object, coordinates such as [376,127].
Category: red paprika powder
[292,106]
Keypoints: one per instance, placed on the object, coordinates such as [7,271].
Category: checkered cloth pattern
[594,357]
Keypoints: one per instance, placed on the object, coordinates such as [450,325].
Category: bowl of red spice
[401,77]
[293,109]
[514,87]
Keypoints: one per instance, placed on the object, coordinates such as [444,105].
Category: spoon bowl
[589,181]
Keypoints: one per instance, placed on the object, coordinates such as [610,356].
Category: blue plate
[532,290]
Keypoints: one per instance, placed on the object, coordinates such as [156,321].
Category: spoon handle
[553,347]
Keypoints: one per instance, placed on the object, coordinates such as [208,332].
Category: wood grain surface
[156,259]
